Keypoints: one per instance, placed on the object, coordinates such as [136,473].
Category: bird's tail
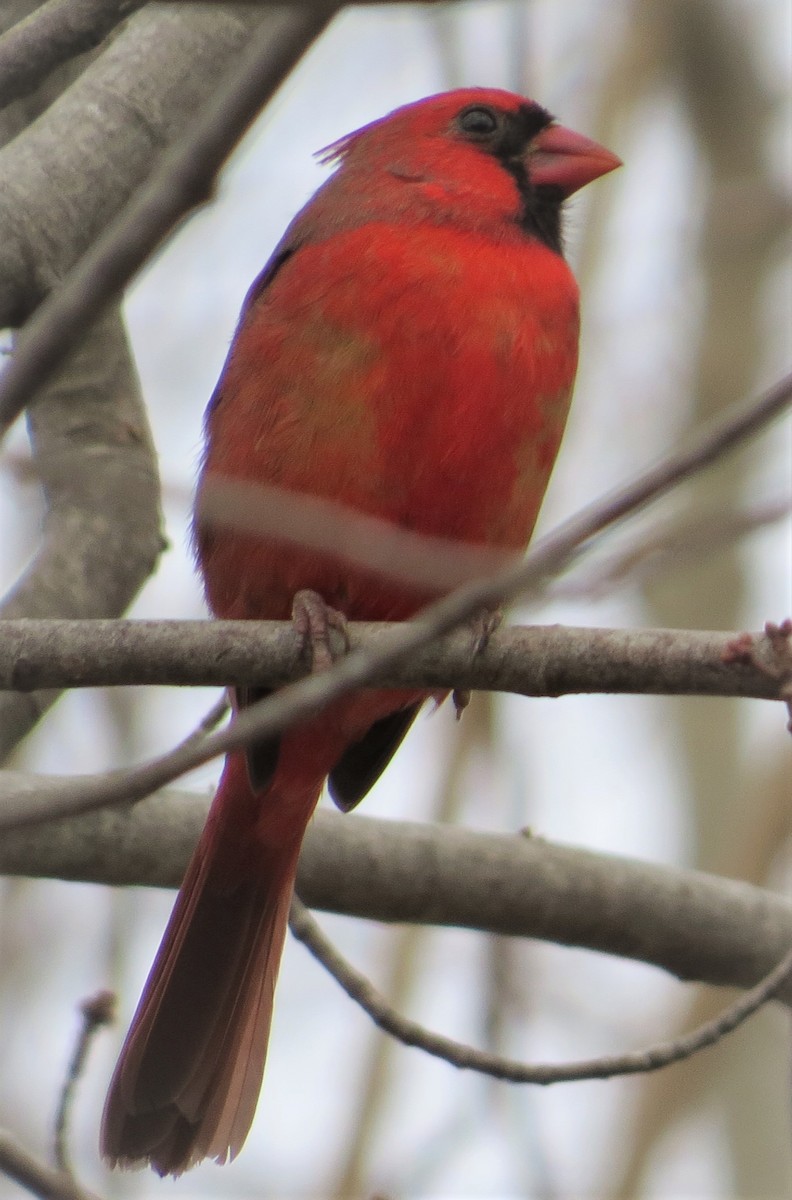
[188,1077]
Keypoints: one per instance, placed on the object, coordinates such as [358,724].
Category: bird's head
[485,147]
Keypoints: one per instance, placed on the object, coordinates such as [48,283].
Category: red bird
[408,352]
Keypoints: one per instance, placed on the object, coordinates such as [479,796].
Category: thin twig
[301,700]
[669,546]
[460,1055]
[406,556]
[96,1011]
[56,32]
[209,721]
[34,1176]
[183,181]
[431,564]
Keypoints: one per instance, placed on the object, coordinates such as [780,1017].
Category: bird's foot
[313,619]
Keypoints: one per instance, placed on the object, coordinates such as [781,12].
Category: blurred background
[684,263]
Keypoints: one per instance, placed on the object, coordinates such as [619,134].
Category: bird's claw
[313,618]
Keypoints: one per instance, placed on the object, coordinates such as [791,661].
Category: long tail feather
[189,1074]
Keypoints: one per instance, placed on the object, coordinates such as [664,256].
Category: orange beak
[561,158]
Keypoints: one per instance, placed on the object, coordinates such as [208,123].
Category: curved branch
[696,926]
[466,1057]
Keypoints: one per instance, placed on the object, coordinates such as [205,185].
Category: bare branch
[533,660]
[96,1011]
[34,1176]
[98,468]
[183,180]
[95,144]
[463,1056]
[669,546]
[698,927]
[92,451]
[58,31]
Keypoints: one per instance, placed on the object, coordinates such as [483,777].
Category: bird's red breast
[409,353]
[428,385]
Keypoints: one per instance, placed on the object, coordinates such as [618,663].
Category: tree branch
[56,32]
[101,536]
[94,145]
[529,661]
[696,926]
[688,540]
[34,1176]
[92,454]
[466,1057]
[95,1011]
[183,180]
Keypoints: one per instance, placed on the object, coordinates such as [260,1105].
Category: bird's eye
[478,121]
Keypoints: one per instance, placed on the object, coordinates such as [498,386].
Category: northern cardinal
[408,352]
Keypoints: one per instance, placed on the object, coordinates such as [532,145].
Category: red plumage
[409,353]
